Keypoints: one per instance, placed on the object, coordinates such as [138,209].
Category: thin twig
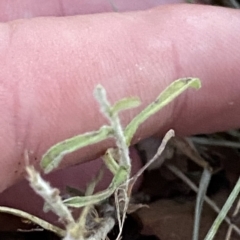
[46,225]
[121,208]
[160,150]
[183,145]
[124,159]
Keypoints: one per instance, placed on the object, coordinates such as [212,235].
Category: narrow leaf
[110,162]
[204,182]
[224,211]
[170,93]
[119,178]
[124,104]
[52,158]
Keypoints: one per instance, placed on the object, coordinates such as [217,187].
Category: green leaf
[203,186]
[124,104]
[110,162]
[52,158]
[120,177]
[224,211]
[169,94]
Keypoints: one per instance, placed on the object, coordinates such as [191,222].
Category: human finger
[48,74]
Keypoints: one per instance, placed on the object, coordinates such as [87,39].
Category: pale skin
[50,67]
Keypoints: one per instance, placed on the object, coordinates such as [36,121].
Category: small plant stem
[79,229]
[50,195]
[46,225]
[102,232]
[101,96]
[186,147]
[121,195]
[123,149]
[160,150]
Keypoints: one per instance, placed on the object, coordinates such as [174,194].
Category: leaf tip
[194,82]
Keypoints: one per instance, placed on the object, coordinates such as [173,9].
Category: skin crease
[51,65]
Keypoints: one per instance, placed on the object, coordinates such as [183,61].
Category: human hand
[50,67]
